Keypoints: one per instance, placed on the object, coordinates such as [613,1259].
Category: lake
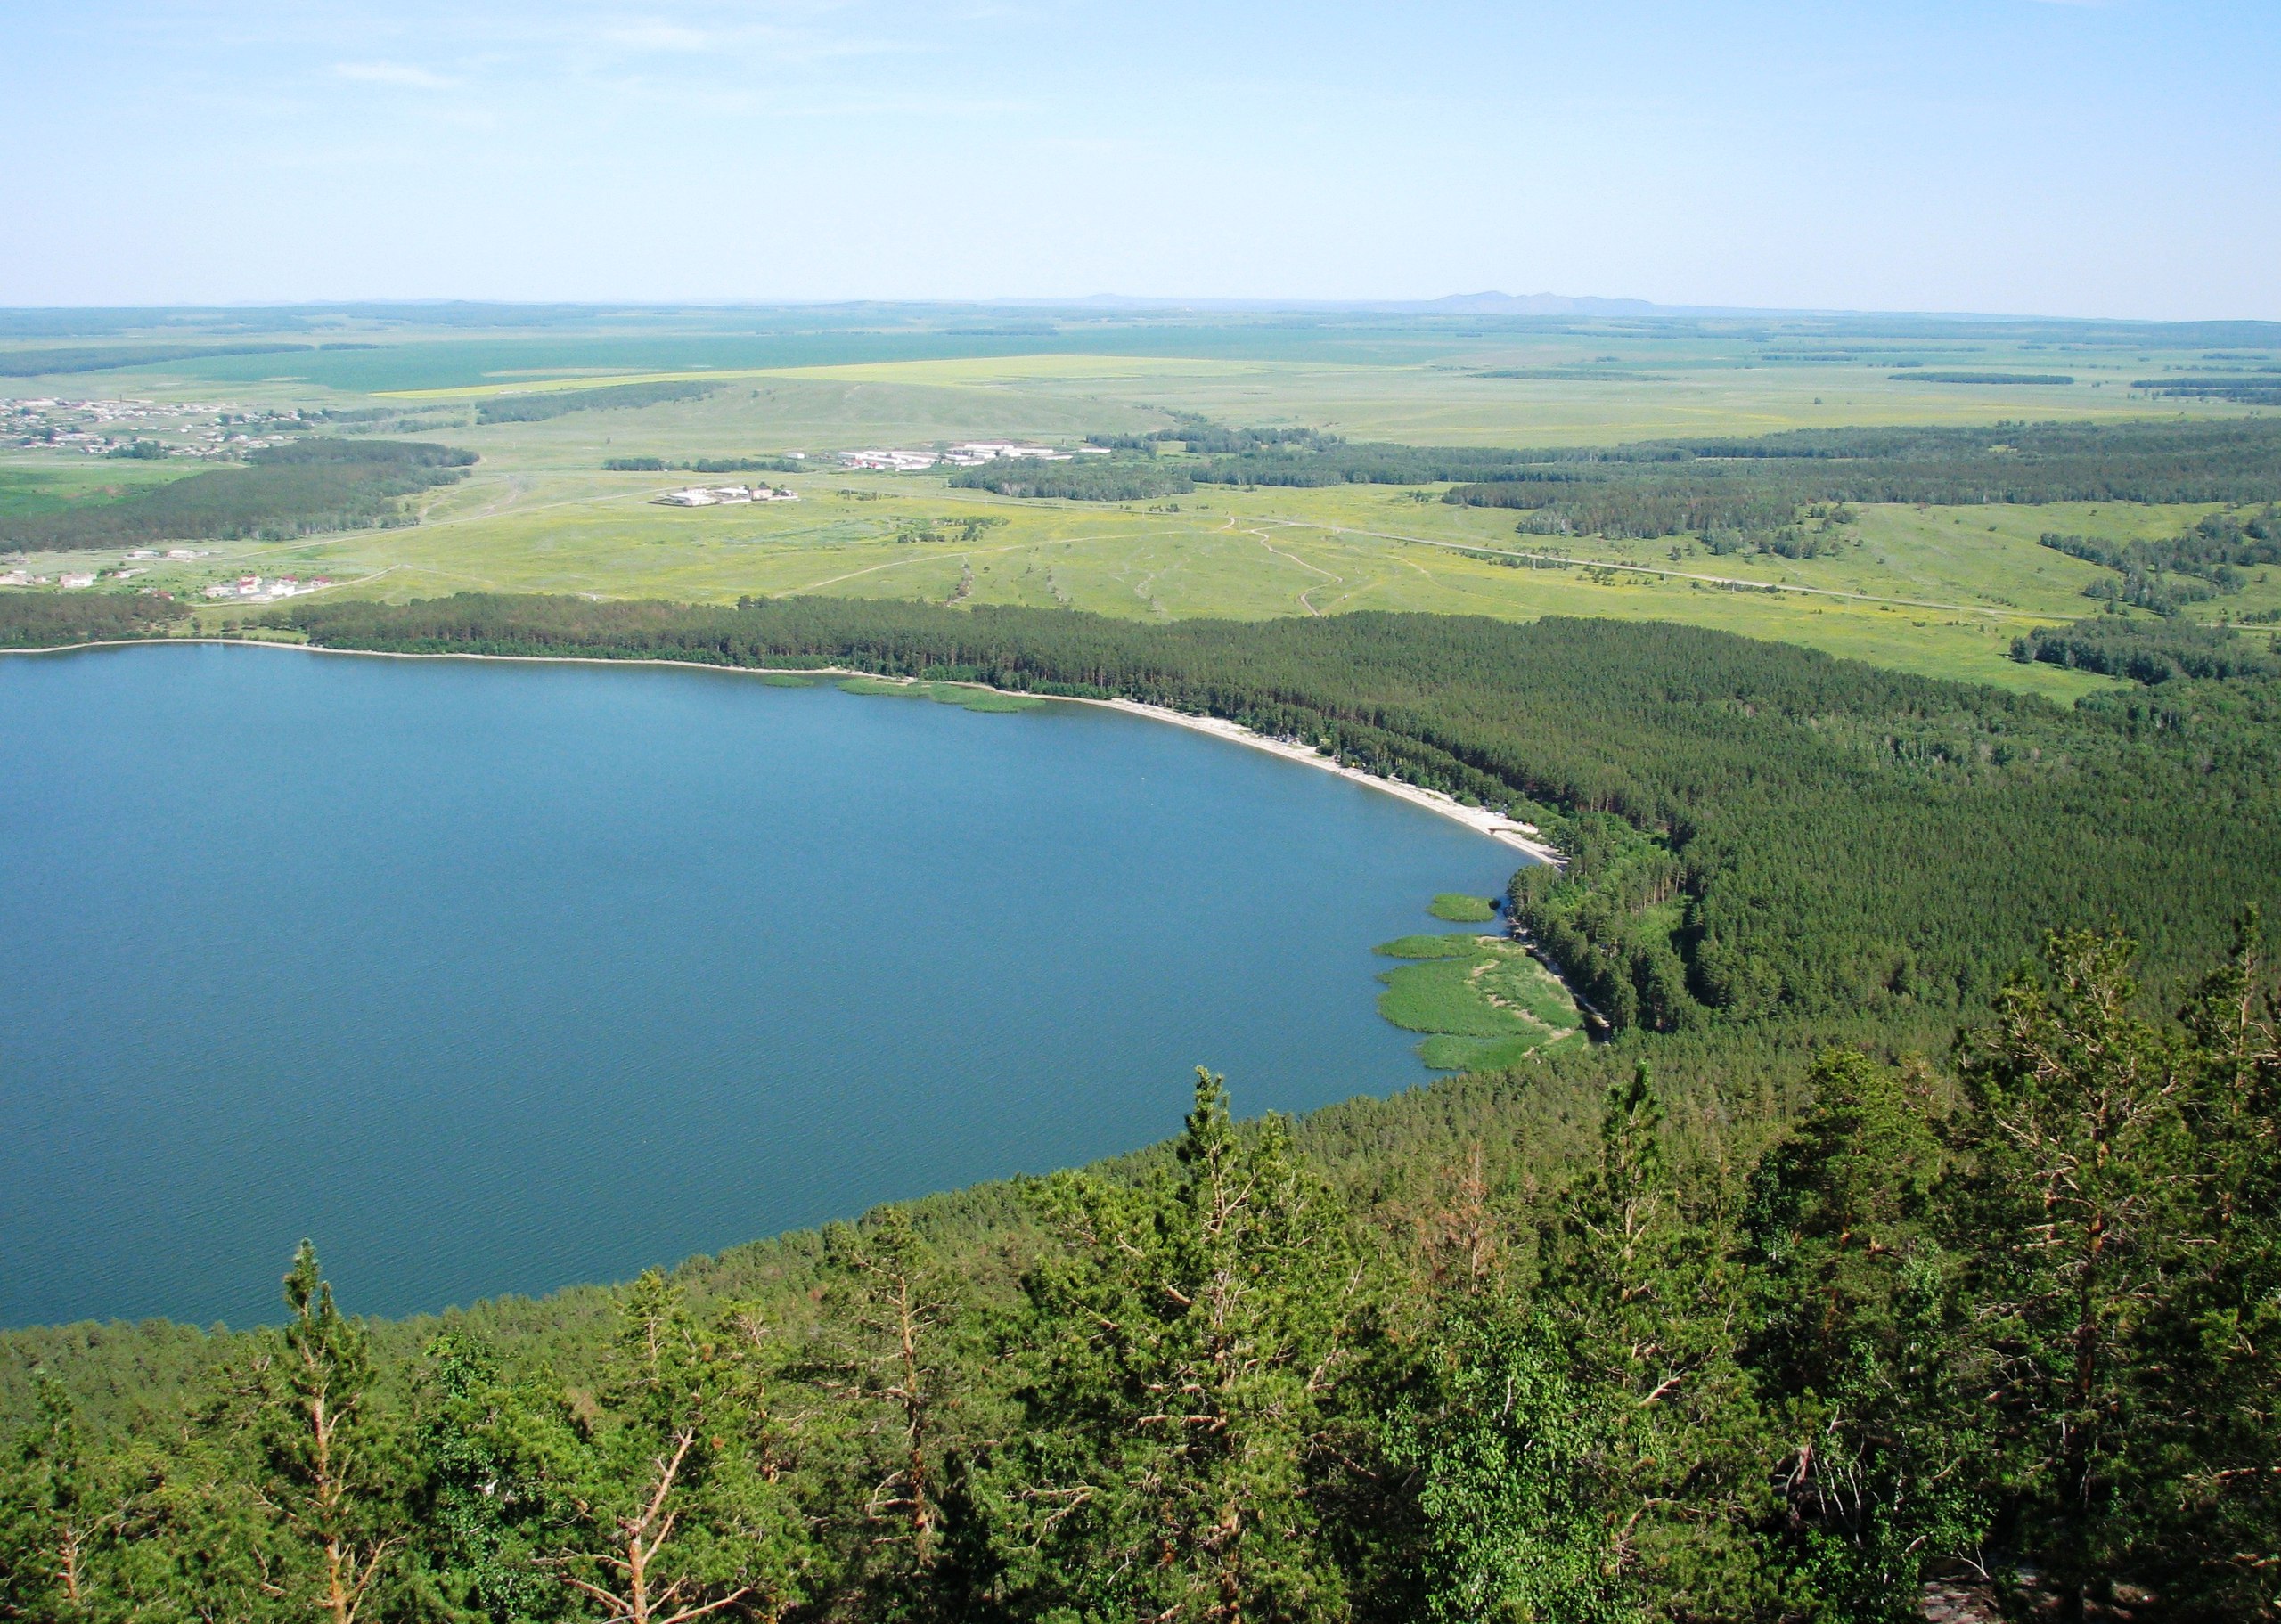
[495,977]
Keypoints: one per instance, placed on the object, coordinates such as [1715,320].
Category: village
[132,428]
[254,589]
[19,573]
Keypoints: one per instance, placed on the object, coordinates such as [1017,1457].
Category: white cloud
[393,73]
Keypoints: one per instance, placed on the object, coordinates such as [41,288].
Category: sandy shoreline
[1478,818]
[1504,831]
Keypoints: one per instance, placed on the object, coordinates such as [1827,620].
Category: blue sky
[2120,157]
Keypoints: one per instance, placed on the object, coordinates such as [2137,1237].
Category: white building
[709,496]
[71,580]
[975,453]
[891,461]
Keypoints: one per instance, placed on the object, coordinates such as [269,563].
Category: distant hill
[1523,303]
[1453,303]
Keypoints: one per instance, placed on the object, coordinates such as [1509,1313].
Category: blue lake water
[493,977]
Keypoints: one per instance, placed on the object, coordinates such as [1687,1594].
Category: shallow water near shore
[494,977]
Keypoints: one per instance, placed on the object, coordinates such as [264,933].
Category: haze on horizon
[2066,158]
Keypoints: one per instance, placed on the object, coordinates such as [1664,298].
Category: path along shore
[1507,831]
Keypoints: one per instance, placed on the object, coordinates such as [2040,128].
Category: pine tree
[896,1304]
[1186,1345]
[2210,1490]
[1640,1295]
[2075,1203]
[326,1449]
[57,1507]
[1851,1343]
[666,1509]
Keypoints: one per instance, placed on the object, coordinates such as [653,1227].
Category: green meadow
[1939,592]
[1480,1001]
[964,695]
[51,483]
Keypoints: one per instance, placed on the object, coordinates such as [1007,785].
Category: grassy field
[960,694]
[38,484]
[1480,1000]
[1929,589]
[1460,909]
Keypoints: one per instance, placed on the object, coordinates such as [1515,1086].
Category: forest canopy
[2116,646]
[1679,486]
[49,620]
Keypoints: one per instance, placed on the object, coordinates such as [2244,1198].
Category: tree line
[1755,484]
[101,358]
[2213,553]
[537,408]
[1086,479]
[2010,377]
[2247,386]
[1681,486]
[49,620]
[2003,1319]
[298,488]
[705,465]
[2116,646]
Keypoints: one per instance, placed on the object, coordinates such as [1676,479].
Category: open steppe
[1927,589]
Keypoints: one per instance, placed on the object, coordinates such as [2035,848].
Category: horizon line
[1477,304]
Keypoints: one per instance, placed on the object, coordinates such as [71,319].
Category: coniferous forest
[1602,1345]
[289,490]
[1914,1241]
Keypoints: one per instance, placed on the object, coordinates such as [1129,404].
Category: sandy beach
[1520,836]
